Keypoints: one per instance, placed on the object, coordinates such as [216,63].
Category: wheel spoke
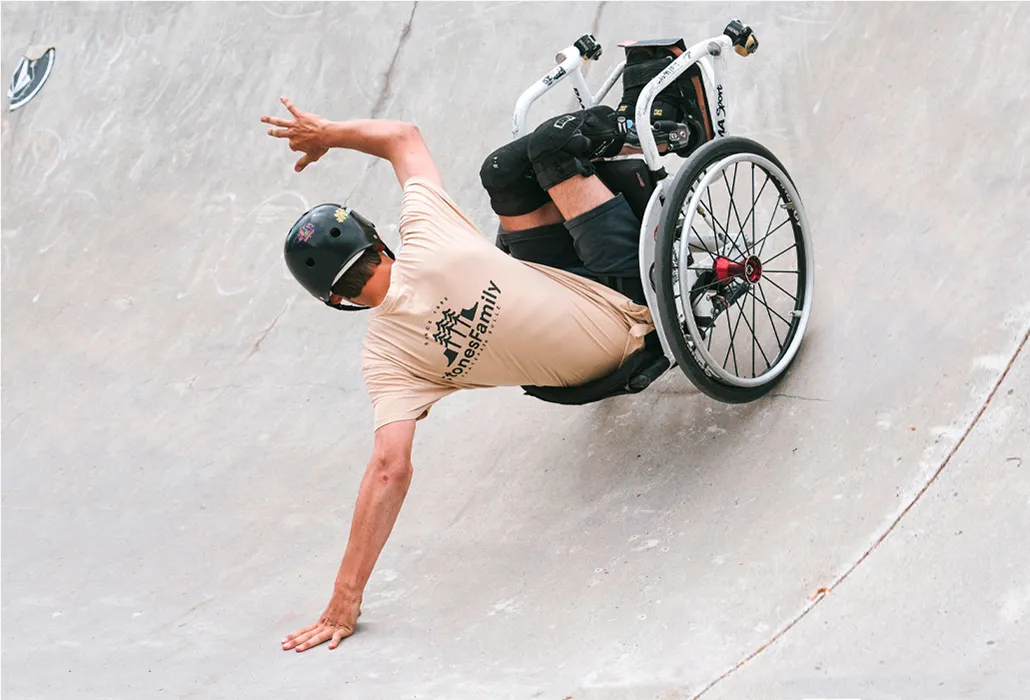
[776,209]
[792,297]
[702,241]
[753,335]
[733,203]
[759,253]
[795,245]
[777,315]
[777,272]
[708,207]
[754,201]
[712,284]
[733,334]
[753,338]
[694,231]
[732,349]
[711,213]
[762,241]
[750,215]
[779,343]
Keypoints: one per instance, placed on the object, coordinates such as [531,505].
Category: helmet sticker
[341,215]
[306,232]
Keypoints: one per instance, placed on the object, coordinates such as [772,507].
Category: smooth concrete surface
[184,429]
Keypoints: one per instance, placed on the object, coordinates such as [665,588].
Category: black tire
[666,245]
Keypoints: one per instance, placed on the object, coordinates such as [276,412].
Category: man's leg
[532,227]
[603,227]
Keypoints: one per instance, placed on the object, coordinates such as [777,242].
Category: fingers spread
[307,159]
[275,121]
[288,103]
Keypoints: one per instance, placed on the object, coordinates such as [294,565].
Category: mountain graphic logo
[454,324]
[464,335]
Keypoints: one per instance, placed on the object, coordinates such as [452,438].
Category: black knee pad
[508,177]
[563,147]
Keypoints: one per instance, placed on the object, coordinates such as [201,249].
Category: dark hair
[354,280]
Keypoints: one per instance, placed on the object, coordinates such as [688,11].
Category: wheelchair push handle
[586,46]
[744,40]
[568,60]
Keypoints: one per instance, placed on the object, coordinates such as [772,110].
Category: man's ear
[384,252]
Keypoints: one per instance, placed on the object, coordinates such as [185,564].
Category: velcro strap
[640,74]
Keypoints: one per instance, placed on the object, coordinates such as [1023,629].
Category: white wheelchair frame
[710,56]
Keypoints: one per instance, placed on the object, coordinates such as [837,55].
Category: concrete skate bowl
[184,429]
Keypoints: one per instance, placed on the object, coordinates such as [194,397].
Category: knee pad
[508,177]
[563,147]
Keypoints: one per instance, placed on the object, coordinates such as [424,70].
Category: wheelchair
[725,246]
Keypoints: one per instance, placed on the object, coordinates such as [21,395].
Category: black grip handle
[588,47]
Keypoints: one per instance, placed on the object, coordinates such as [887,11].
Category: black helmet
[324,243]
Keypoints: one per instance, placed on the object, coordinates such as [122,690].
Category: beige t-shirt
[460,314]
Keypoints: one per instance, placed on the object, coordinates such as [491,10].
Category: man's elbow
[392,471]
[407,137]
[410,132]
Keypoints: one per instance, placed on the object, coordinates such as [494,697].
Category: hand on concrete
[305,133]
[336,624]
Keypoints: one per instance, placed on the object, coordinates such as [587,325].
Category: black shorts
[602,242]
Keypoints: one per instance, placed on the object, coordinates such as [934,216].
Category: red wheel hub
[750,269]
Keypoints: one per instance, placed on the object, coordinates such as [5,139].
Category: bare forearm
[380,497]
[376,137]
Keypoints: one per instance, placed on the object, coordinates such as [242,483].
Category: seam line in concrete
[264,333]
[823,592]
[388,79]
[384,92]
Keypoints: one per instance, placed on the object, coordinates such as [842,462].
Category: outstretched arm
[398,142]
[380,497]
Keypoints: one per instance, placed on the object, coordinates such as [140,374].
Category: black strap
[636,374]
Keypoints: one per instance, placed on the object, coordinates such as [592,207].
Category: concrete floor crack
[799,398]
[823,592]
[384,92]
[264,334]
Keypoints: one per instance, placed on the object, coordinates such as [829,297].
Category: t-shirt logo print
[454,324]
[463,334]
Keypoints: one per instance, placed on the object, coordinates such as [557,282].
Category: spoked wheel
[734,269]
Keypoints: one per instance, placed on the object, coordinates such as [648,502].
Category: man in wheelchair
[451,311]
